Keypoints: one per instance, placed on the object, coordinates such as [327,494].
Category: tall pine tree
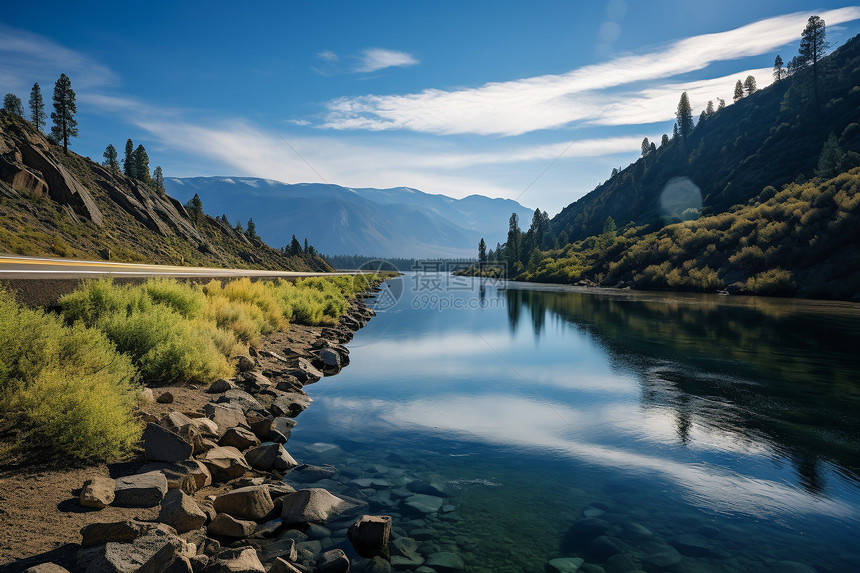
[813,45]
[685,116]
[12,104]
[110,158]
[128,159]
[65,125]
[158,179]
[778,70]
[37,108]
[140,161]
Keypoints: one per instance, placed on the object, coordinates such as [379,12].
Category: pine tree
[37,108]
[830,160]
[709,109]
[664,141]
[110,158]
[512,246]
[749,85]
[295,247]
[739,91]
[307,249]
[778,70]
[653,147]
[251,230]
[646,147]
[195,209]
[685,116]
[721,104]
[158,179]
[482,251]
[65,126]
[12,104]
[128,160]
[140,162]
[813,45]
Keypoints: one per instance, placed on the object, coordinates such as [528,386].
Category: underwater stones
[445,562]
[333,561]
[422,504]
[661,557]
[427,487]
[603,547]
[564,565]
[693,545]
[306,473]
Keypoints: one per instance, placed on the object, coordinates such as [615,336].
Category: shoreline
[40,499]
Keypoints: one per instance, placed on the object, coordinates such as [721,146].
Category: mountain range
[398,222]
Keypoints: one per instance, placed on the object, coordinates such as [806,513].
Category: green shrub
[71,389]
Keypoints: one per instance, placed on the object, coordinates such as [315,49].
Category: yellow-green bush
[70,387]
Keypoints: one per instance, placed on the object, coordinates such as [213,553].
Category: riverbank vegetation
[69,381]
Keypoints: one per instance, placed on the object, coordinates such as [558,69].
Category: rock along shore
[212,483]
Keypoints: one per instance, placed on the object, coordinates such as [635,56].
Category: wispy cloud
[553,101]
[328,56]
[26,58]
[375,59]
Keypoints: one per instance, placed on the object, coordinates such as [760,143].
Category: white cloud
[375,59]
[327,56]
[553,101]
[26,58]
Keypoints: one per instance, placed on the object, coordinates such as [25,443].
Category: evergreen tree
[664,141]
[675,131]
[653,147]
[614,172]
[63,116]
[158,179]
[110,158]
[610,231]
[813,45]
[195,209]
[295,247]
[830,160]
[749,85]
[709,109]
[721,104]
[482,251]
[646,147]
[739,91]
[778,71]
[12,104]
[128,160]
[239,228]
[140,162]
[251,230]
[685,116]
[307,249]
[37,108]
[512,246]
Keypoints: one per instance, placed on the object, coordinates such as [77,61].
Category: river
[614,429]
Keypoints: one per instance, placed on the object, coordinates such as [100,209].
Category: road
[15,267]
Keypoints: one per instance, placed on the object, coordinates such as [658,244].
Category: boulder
[239,399]
[177,472]
[305,372]
[260,423]
[206,427]
[46,568]
[119,531]
[290,404]
[312,505]
[567,565]
[333,561]
[369,535]
[225,417]
[330,357]
[427,487]
[270,455]
[219,386]
[225,525]
[97,492]
[225,463]
[165,398]
[140,490]
[252,502]
[280,565]
[240,438]
[244,363]
[253,381]
[241,560]
[151,553]
[162,445]
[173,421]
[181,512]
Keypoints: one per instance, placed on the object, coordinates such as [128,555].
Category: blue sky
[535,101]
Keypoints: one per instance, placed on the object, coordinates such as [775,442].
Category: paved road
[14,267]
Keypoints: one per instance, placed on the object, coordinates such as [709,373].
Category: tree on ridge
[65,125]
[37,108]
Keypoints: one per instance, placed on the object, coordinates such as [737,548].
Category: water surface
[663,432]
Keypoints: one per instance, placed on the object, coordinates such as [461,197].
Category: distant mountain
[398,222]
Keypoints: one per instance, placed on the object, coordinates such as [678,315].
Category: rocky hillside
[53,204]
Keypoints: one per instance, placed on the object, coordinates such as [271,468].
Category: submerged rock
[423,504]
[564,565]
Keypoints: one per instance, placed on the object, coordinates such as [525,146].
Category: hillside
[766,139]
[53,204]
[400,222]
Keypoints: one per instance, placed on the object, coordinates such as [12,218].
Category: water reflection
[763,372]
